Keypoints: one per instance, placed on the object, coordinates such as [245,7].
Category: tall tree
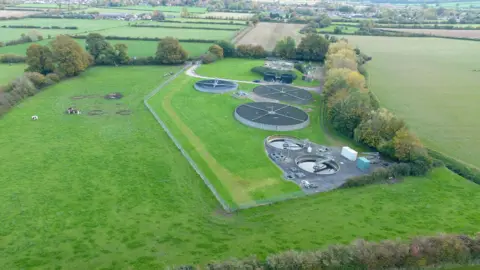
[169,51]
[121,53]
[101,50]
[39,59]
[70,58]
[285,48]
[313,47]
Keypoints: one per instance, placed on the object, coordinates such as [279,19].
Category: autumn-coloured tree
[39,59]
[216,50]
[228,48]
[378,127]
[70,58]
[406,144]
[169,51]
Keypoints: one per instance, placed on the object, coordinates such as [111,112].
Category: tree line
[352,110]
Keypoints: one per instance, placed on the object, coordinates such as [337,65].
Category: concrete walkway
[191,72]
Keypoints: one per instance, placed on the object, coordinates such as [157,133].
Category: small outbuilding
[363,164]
[349,153]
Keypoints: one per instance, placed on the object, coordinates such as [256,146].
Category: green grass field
[193,24]
[137,48]
[176,9]
[169,32]
[92,192]
[240,69]
[83,25]
[432,86]
[9,73]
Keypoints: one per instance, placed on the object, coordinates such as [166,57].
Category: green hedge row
[12,58]
[180,27]
[416,253]
[147,39]
[200,22]
[39,27]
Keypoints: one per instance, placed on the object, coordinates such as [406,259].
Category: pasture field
[193,20]
[46,6]
[7,34]
[111,10]
[15,13]
[193,24]
[137,48]
[240,69]
[83,25]
[9,73]
[458,33]
[174,9]
[169,32]
[432,86]
[229,15]
[267,34]
[111,191]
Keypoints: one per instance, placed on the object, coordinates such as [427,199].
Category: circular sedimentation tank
[284,93]
[271,116]
[317,164]
[215,86]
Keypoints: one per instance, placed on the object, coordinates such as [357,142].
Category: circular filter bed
[284,93]
[215,86]
[271,116]
[114,96]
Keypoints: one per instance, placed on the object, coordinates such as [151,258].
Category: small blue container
[363,164]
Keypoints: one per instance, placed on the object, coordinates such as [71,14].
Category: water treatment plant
[215,86]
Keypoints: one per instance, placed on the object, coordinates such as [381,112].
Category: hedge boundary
[147,39]
[183,27]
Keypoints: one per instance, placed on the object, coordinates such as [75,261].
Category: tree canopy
[228,48]
[216,50]
[313,47]
[286,48]
[39,59]
[169,51]
[102,51]
[70,58]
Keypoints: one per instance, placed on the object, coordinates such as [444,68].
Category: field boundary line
[192,163]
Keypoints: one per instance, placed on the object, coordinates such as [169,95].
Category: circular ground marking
[114,96]
[285,93]
[271,116]
[215,86]
[96,112]
[124,112]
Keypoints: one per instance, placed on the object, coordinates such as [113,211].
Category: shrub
[12,58]
[54,77]
[208,58]
[460,168]
[36,78]
[250,263]
[250,51]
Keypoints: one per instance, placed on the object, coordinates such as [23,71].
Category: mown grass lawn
[9,72]
[432,86]
[230,153]
[345,29]
[92,192]
[137,48]
[240,69]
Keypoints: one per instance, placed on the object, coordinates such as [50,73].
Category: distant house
[114,16]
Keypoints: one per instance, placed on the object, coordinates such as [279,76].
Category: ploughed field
[433,84]
[112,190]
[267,34]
